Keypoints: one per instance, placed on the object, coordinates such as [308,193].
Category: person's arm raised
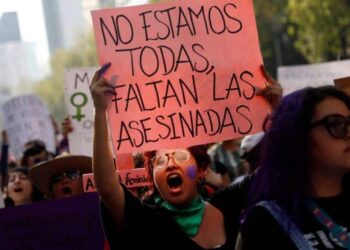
[106,178]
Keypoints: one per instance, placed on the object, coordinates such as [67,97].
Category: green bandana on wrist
[188,218]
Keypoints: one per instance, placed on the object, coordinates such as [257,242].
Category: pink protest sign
[131,178]
[124,162]
[184,73]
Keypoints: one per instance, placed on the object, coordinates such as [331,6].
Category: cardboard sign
[299,76]
[131,178]
[124,162]
[70,223]
[184,73]
[343,84]
[80,109]
[2,203]
[27,118]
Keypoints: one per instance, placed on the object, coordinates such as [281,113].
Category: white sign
[296,77]
[27,118]
[2,202]
[80,109]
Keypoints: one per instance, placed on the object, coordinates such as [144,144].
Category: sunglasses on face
[70,175]
[179,157]
[336,125]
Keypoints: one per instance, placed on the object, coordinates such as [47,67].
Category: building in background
[18,62]
[64,21]
[89,5]
[9,28]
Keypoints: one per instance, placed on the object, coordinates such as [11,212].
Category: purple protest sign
[71,223]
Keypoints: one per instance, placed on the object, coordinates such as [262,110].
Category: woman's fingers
[108,88]
[268,77]
[98,74]
[103,68]
[102,86]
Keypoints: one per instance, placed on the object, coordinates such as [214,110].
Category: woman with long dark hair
[300,196]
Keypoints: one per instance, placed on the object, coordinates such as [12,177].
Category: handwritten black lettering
[183,23]
[240,111]
[121,138]
[132,127]
[185,124]
[243,77]
[210,113]
[159,120]
[155,84]
[129,180]
[89,185]
[117,35]
[170,93]
[148,61]
[145,129]
[167,59]
[198,14]
[78,79]
[227,121]
[189,127]
[131,50]
[236,21]
[175,22]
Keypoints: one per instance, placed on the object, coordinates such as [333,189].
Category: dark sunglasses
[70,175]
[336,125]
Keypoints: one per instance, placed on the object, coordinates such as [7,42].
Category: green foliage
[277,44]
[51,88]
[321,28]
[270,19]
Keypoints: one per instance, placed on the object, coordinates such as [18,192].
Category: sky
[31,22]
[32,26]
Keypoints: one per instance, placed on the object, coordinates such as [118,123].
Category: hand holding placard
[100,88]
[273,91]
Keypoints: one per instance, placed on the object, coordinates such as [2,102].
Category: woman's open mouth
[18,190]
[174,182]
[66,190]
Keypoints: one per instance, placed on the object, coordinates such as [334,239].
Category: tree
[321,28]
[277,46]
[51,88]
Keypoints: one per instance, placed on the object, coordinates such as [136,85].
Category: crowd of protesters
[287,187]
[284,188]
[294,194]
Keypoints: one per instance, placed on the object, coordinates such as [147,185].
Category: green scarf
[189,218]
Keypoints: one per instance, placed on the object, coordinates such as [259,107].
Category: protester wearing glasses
[179,219]
[301,191]
[61,177]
